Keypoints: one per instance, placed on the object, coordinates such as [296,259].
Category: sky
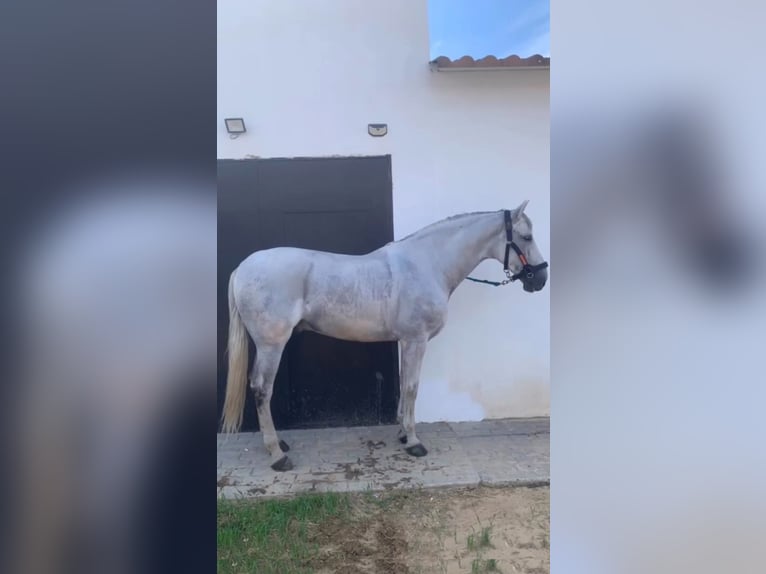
[489,27]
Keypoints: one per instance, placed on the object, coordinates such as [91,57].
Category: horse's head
[522,257]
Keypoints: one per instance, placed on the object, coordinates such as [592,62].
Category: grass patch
[270,536]
[482,540]
[479,566]
[545,542]
[477,543]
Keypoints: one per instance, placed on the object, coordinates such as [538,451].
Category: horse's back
[275,260]
[280,263]
[288,273]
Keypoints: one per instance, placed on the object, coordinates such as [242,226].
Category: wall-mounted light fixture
[377,130]
[235,127]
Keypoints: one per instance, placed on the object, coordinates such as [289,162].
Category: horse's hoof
[282,464]
[403,439]
[416,450]
[284,446]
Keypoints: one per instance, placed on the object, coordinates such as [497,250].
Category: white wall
[309,76]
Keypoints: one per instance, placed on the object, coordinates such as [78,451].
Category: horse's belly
[365,327]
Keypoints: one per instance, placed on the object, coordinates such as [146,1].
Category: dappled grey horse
[396,293]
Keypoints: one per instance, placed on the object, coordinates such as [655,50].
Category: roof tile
[490,62]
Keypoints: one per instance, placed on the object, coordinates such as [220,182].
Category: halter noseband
[528,271]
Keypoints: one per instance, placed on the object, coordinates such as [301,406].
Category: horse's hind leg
[262,382]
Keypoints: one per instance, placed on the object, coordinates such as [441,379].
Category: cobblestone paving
[493,452]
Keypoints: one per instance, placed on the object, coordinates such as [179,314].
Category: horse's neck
[454,248]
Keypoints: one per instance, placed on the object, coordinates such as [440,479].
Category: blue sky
[482,27]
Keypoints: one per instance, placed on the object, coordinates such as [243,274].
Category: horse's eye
[526,237]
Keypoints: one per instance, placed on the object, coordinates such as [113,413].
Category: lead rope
[494,283]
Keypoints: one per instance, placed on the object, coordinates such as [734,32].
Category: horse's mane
[439,225]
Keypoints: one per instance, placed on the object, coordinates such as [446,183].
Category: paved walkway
[493,452]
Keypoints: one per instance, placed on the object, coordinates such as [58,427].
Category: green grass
[479,566]
[545,542]
[271,536]
[475,542]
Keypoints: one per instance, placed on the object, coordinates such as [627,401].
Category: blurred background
[657,457]
[107,127]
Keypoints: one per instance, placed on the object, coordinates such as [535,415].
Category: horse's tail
[236,381]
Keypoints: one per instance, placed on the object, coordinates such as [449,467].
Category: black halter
[527,271]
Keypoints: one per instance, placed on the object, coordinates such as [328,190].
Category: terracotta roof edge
[490,62]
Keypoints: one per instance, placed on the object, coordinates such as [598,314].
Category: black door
[343,205]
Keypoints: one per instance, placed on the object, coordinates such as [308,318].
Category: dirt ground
[455,531]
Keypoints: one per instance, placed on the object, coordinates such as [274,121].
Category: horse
[398,292]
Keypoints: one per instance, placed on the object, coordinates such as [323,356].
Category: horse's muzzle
[536,282]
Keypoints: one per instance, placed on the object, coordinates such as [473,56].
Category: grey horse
[398,293]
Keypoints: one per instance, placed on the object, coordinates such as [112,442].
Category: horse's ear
[520,209]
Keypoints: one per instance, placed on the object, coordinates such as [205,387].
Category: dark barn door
[343,205]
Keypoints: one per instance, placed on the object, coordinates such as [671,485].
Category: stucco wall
[309,76]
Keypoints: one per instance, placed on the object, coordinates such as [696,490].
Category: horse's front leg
[412,360]
[400,411]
